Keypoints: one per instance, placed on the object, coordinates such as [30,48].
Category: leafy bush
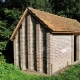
[7,25]
[3,35]
[11,72]
[2,60]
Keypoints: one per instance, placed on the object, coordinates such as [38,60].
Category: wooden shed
[45,42]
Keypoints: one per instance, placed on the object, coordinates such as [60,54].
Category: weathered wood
[48,55]
[30,43]
[72,49]
[78,47]
[39,47]
[16,50]
[22,46]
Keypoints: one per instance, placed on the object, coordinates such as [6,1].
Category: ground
[56,73]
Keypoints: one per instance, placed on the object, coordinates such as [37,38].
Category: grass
[11,72]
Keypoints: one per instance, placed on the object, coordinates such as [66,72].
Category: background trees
[40,4]
[11,10]
[67,8]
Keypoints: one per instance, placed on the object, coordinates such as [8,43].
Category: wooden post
[16,50]
[39,48]
[30,43]
[48,52]
[49,55]
[79,47]
[72,49]
[22,46]
[14,47]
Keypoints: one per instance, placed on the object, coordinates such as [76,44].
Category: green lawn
[10,72]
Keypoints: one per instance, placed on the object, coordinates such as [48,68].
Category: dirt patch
[62,70]
[65,68]
[44,74]
[56,73]
[35,73]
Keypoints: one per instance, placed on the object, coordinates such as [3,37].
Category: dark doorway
[75,48]
[44,53]
[8,52]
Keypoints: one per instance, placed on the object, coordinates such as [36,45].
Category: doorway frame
[76,48]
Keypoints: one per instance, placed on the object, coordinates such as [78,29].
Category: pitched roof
[54,22]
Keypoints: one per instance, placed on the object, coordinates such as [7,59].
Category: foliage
[11,72]
[41,4]
[21,5]
[18,4]
[4,32]
[73,73]
[7,25]
[2,60]
[12,17]
[3,35]
[67,8]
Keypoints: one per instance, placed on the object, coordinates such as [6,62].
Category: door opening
[75,48]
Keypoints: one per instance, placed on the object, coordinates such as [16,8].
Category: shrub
[2,59]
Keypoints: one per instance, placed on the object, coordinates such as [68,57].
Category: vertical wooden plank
[14,48]
[22,46]
[39,47]
[30,43]
[48,54]
[79,46]
[16,52]
[72,49]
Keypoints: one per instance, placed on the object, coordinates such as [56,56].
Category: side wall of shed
[62,47]
[30,45]
[39,46]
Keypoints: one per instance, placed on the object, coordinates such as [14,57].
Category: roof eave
[42,21]
[18,25]
[65,32]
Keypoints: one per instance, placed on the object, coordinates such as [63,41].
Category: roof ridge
[58,20]
[51,21]
[30,8]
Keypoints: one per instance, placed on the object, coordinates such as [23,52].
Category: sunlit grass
[11,72]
